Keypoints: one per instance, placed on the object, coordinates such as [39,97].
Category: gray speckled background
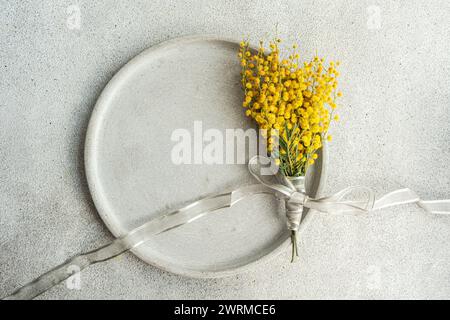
[394,132]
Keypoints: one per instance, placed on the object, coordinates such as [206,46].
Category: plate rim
[95,189]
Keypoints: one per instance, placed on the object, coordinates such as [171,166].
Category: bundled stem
[294,245]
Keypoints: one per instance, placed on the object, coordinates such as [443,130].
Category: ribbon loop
[296,200]
[268,176]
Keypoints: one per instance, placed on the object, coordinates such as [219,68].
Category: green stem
[294,245]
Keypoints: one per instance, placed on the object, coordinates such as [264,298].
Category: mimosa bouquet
[293,103]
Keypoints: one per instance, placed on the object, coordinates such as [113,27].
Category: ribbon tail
[136,237]
[405,196]
[436,206]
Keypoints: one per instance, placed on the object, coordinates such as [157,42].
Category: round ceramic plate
[180,84]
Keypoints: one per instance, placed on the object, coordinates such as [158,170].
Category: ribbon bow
[335,203]
[296,199]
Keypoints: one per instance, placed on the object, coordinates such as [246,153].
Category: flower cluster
[293,102]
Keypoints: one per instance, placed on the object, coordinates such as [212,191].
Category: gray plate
[131,175]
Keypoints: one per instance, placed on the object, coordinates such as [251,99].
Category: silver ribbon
[335,203]
[296,199]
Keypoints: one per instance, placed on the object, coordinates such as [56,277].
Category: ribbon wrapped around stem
[295,197]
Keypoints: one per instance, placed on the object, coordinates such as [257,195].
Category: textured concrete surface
[394,133]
